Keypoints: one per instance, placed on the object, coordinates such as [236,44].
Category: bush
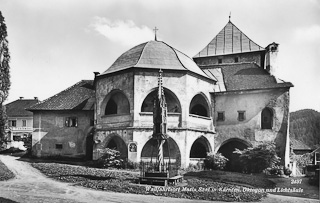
[257,159]
[110,158]
[215,161]
[278,170]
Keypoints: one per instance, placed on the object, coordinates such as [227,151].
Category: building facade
[63,123]
[20,121]
[227,96]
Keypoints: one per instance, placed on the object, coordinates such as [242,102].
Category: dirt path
[32,186]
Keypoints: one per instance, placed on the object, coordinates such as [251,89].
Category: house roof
[77,97]
[298,145]
[244,76]
[229,40]
[155,55]
[18,108]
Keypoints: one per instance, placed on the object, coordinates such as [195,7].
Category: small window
[71,122]
[12,123]
[219,61]
[236,59]
[58,146]
[220,116]
[241,115]
[24,123]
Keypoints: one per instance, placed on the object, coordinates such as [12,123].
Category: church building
[227,96]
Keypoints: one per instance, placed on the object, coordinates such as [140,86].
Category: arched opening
[266,118]
[116,143]
[227,150]
[150,150]
[199,106]
[200,148]
[173,104]
[89,145]
[117,104]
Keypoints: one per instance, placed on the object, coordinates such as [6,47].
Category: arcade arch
[228,147]
[116,103]
[199,106]
[200,148]
[173,104]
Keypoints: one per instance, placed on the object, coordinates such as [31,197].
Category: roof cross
[230,16]
[155,33]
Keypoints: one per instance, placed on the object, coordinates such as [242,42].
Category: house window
[24,123]
[219,61]
[220,116]
[12,123]
[236,59]
[71,122]
[241,115]
[58,146]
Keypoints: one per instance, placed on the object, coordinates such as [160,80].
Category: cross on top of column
[155,33]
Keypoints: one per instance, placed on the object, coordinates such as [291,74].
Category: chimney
[21,98]
[271,63]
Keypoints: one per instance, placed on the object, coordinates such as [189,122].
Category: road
[30,185]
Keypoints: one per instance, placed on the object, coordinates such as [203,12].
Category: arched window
[199,106]
[266,118]
[173,105]
[117,104]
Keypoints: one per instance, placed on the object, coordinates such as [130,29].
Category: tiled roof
[155,55]
[77,97]
[298,145]
[18,108]
[245,76]
[229,40]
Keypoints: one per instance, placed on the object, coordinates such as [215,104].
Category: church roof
[18,108]
[77,97]
[155,55]
[230,40]
[244,76]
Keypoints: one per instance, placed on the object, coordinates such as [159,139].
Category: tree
[4,73]
[256,159]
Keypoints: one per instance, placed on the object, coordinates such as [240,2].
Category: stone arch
[199,105]
[228,147]
[173,103]
[150,150]
[116,102]
[200,148]
[114,141]
[267,118]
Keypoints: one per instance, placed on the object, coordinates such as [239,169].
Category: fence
[167,169]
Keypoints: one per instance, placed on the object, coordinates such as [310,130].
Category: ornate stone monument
[159,172]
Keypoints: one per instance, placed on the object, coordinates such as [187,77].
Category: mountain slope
[305,126]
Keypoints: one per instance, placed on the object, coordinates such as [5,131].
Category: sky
[56,43]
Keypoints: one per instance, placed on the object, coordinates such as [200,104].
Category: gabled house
[20,121]
[298,147]
[63,123]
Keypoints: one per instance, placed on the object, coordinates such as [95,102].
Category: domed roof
[154,55]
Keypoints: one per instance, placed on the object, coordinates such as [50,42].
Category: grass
[5,173]
[197,186]
[256,180]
